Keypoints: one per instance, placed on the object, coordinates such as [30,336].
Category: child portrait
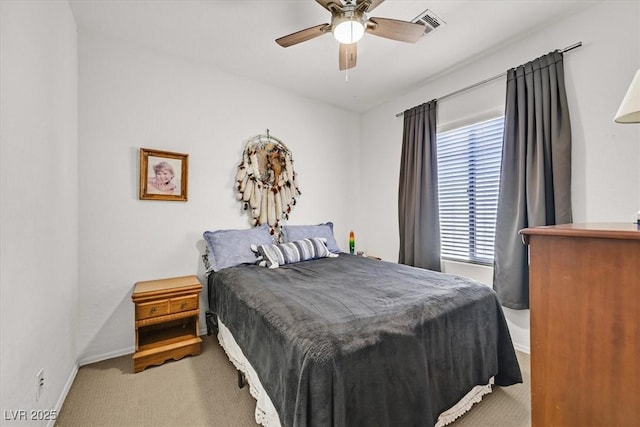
[162,175]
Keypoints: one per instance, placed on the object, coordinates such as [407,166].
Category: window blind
[469,160]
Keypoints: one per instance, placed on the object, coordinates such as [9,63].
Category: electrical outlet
[39,383]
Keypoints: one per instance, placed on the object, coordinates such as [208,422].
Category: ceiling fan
[349,22]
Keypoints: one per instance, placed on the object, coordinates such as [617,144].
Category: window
[468,181]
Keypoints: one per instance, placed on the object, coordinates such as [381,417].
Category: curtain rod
[490,79]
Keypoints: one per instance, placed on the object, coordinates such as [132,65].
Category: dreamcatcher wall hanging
[266,181]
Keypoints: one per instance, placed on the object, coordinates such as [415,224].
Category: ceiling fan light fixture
[349,22]
[348,27]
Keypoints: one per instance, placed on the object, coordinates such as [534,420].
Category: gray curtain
[535,177]
[418,211]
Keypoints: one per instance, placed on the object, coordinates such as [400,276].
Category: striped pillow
[273,256]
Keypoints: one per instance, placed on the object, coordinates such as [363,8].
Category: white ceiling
[238,36]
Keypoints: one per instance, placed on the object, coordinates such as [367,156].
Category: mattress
[353,341]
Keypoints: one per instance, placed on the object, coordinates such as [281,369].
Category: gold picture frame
[163,175]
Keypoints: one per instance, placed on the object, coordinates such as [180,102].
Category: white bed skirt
[266,413]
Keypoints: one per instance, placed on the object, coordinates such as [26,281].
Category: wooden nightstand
[166,320]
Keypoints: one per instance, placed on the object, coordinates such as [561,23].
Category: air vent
[430,21]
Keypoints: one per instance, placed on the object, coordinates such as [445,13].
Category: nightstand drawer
[146,310]
[183,303]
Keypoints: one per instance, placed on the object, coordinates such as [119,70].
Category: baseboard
[104,356]
[522,348]
[65,392]
[117,353]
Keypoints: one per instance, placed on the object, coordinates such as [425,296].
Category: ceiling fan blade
[372,4]
[331,5]
[395,30]
[303,35]
[348,54]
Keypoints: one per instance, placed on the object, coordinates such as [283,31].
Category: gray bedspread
[352,341]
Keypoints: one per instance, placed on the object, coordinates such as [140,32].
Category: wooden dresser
[166,320]
[585,324]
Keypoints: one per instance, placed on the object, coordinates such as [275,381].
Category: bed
[348,341]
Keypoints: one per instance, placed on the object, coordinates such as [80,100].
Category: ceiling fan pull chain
[346,71]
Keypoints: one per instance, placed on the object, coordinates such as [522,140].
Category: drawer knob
[183,306]
[153,310]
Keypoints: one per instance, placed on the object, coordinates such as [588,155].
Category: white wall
[64,248]
[38,205]
[130,98]
[606,156]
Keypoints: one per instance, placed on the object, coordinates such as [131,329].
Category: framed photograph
[163,175]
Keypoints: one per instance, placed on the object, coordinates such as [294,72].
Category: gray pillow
[291,233]
[228,248]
